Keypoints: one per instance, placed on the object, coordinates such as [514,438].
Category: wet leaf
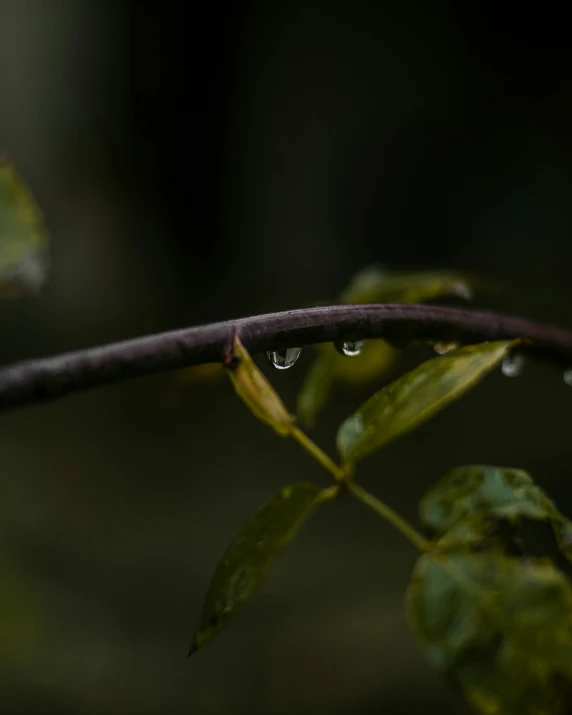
[415,397]
[252,552]
[498,628]
[473,489]
[375,284]
[23,237]
[255,390]
[375,358]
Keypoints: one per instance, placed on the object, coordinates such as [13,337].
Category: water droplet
[567,376]
[442,348]
[283,359]
[350,348]
[513,364]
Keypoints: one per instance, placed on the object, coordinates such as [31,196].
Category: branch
[49,378]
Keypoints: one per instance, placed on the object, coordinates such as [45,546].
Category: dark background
[205,160]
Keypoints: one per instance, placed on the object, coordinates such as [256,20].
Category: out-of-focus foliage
[499,628]
[470,490]
[377,284]
[495,620]
[23,237]
[375,358]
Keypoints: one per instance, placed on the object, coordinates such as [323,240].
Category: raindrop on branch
[513,364]
[350,348]
[283,359]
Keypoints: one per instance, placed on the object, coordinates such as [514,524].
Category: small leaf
[415,397]
[469,490]
[255,390]
[23,237]
[499,629]
[249,556]
[376,284]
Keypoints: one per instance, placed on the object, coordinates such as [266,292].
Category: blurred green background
[205,160]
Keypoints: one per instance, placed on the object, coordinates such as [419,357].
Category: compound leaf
[23,237]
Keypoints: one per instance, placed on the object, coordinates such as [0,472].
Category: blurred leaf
[375,358]
[315,389]
[415,397]
[473,489]
[189,378]
[20,614]
[249,556]
[375,284]
[198,374]
[498,628]
[23,237]
[482,494]
[255,390]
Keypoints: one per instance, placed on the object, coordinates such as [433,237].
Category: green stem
[313,449]
[391,516]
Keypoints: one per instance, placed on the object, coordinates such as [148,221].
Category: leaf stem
[318,454]
[391,516]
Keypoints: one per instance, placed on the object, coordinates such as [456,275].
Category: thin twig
[49,378]
[387,513]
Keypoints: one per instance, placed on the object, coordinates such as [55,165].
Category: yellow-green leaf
[499,629]
[252,552]
[415,397]
[255,390]
[23,237]
[375,284]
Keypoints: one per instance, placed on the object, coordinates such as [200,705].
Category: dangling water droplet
[350,348]
[513,364]
[442,348]
[283,359]
[567,376]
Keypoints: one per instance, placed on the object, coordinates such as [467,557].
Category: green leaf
[23,237]
[473,489]
[255,390]
[498,628]
[376,284]
[252,552]
[415,397]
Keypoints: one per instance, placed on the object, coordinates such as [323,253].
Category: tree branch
[49,378]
